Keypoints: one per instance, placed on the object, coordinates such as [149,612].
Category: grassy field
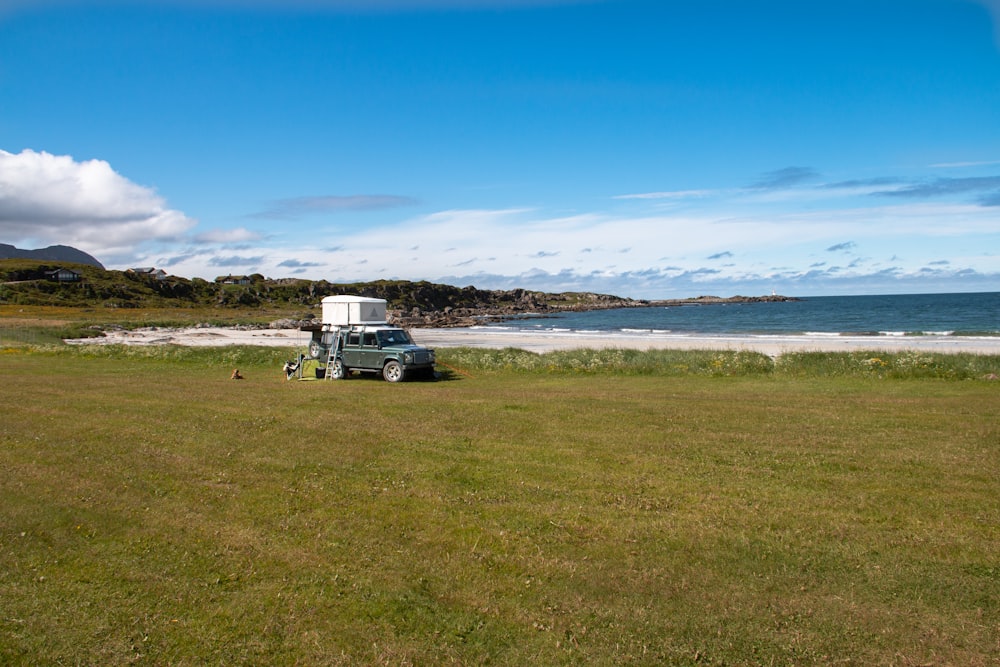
[40,325]
[685,509]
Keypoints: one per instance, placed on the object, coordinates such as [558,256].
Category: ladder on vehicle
[331,355]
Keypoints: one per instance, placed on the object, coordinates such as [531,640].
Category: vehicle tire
[339,372]
[314,349]
[392,371]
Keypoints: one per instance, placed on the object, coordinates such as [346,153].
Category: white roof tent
[344,310]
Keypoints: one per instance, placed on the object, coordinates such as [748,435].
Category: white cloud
[300,207]
[48,199]
[679,194]
[238,235]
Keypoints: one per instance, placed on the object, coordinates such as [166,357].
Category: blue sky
[645,148]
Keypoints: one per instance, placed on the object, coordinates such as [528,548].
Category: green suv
[370,349]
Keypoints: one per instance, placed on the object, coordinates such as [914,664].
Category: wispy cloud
[862,183]
[721,255]
[300,207]
[174,260]
[843,247]
[297,264]
[679,194]
[992,199]
[235,260]
[942,187]
[783,178]
[962,165]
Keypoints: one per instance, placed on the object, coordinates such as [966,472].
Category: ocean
[965,315]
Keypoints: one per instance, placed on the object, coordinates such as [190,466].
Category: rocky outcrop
[498,305]
[506,305]
[709,300]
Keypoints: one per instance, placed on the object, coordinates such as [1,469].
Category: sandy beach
[485,337]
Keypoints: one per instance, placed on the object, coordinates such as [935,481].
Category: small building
[233,280]
[149,272]
[62,275]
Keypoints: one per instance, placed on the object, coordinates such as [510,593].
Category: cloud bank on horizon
[532,148]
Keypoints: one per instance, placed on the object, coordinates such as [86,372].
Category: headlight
[407,357]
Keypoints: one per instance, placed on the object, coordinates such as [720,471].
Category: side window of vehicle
[370,339]
[392,338]
[354,339]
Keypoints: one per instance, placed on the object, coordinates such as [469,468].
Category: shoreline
[549,341]
[771,345]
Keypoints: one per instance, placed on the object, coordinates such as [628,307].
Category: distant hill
[54,253]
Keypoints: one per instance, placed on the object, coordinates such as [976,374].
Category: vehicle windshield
[394,337]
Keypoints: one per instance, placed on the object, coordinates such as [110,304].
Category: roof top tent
[343,310]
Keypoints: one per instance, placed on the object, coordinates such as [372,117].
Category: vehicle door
[352,350]
[371,355]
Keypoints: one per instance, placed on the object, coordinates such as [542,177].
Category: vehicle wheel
[339,372]
[392,371]
[314,349]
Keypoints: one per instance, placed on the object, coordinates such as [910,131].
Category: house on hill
[62,275]
[233,280]
[149,272]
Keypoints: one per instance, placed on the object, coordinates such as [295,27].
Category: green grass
[685,508]
[729,363]
[50,324]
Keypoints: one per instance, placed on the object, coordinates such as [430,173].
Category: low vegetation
[681,363]
[679,508]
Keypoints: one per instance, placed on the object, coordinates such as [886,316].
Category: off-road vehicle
[354,336]
[370,349]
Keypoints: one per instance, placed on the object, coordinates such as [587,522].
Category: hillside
[54,253]
[25,282]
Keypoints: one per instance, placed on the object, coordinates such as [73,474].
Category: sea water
[966,314]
